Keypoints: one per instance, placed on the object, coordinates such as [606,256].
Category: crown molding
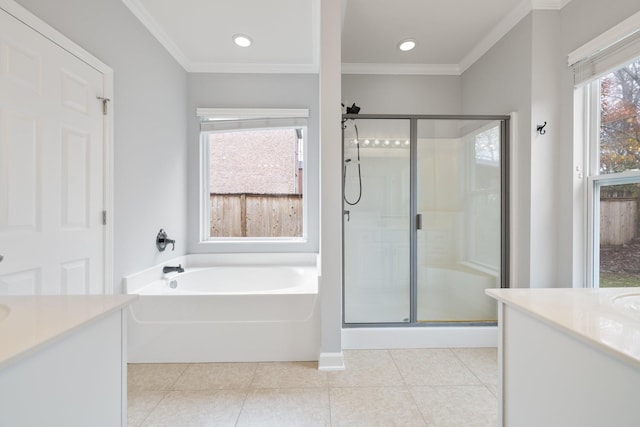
[401,69]
[140,12]
[498,32]
[507,24]
[156,30]
[610,37]
[230,68]
[521,10]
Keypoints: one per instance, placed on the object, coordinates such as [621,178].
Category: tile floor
[425,387]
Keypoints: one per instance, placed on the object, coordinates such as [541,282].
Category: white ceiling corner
[178,26]
[156,30]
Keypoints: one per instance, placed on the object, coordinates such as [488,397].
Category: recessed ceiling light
[242,40]
[406,45]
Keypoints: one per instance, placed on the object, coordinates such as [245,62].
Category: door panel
[376,225]
[459,197]
[51,167]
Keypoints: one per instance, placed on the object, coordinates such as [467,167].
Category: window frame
[246,119]
[595,180]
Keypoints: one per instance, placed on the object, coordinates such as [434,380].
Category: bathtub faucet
[169,269]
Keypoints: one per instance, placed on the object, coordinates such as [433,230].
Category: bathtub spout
[169,269]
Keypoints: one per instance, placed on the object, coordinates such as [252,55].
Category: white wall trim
[38,25]
[521,10]
[499,31]
[513,200]
[140,12]
[252,113]
[331,362]
[419,337]
[23,15]
[606,39]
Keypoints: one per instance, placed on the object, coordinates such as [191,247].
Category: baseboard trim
[423,337]
[331,362]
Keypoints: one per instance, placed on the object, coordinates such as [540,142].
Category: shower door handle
[419,222]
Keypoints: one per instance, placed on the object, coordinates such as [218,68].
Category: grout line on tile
[172,386]
[164,396]
[467,366]
[470,370]
[247,390]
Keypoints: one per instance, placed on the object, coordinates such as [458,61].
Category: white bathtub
[224,313]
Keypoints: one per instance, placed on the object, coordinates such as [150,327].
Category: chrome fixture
[169,269]
[162,241]
[173,284]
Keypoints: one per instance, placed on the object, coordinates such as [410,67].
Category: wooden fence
[618,220]
[256,215]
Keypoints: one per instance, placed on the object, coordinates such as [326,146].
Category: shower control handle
[418,221]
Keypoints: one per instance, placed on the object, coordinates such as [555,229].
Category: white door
[51,167]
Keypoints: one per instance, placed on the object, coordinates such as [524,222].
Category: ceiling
[450,34]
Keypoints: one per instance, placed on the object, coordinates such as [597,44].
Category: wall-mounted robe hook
[541,130]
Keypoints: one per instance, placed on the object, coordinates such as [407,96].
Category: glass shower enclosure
[425,218]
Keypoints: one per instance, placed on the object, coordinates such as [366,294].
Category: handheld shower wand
[344,171]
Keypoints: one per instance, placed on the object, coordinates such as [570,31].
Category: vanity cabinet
[63,361]
[567,357]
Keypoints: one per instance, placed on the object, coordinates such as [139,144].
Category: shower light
[406,45]
[242,40]
[366,142]
[376,142]
[406,142]
[386,142]
[397,142]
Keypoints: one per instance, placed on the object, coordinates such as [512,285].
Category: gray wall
[251,91]
[527,72]
[150,105]
[391,94]
[500,83]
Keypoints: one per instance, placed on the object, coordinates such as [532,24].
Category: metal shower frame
[413,214]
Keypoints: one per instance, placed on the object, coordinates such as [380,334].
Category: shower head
[354,109]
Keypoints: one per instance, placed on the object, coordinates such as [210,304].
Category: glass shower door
[376,193]
[458,203]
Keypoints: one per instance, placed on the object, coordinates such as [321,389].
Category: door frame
[38,25]
[507,184]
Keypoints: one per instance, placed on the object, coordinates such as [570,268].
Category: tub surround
[62,360]
[568,356]
[226,308]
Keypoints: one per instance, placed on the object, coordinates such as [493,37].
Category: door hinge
[104,217]
[105,105]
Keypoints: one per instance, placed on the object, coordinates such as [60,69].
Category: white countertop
[588,314]
[27,323]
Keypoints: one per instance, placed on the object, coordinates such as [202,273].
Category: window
[484,198]
[614,181]
[607,157]
[253,175]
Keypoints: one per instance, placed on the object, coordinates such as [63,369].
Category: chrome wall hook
[540,129]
